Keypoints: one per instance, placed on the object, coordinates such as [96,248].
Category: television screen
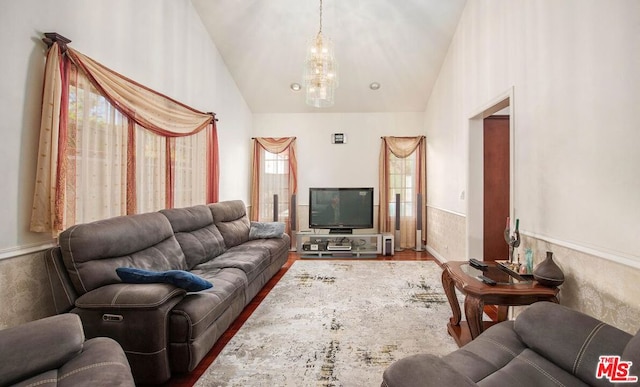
[341,209]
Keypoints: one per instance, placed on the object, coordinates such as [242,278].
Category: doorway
[496,186]
[476,211]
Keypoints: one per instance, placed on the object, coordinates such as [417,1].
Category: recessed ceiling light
[374,86]
[295,87]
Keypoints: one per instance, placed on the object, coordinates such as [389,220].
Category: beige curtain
[402,159]
[44,216]
[267,180]
[147,108]
[110,146]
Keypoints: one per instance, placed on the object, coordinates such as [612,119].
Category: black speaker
[275,207]
[294,212]
[419,214]
[397,232]
[397,211]
[419,223]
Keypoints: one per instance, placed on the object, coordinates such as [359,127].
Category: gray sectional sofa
[161,327]
[547,345]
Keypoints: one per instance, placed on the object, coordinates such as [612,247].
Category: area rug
[337,323]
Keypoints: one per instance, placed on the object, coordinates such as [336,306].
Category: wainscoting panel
[446,234]
[25,294]
[593,285]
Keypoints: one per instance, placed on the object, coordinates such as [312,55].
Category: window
[95,155]
[402,180]
[274,180]
[402,172]
[96,161]
[274,173]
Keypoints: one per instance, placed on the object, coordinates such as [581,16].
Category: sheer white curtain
[96,157]
[190,184]
[403,181]
[151,179]
[274,180]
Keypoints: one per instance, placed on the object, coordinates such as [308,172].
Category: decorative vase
[547,273]
[528,255]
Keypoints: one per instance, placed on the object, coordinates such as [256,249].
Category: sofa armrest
[64,294]
[129,296]
[423,370]
[39,346]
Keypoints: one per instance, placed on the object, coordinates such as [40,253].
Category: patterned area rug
[337,323]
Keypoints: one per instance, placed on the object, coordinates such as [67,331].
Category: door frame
[475,173]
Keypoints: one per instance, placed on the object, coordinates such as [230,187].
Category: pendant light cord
[320,31]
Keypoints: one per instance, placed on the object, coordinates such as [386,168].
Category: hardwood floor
[183,380]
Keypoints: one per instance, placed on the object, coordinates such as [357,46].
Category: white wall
[159,43]
[573,66]
[323,164]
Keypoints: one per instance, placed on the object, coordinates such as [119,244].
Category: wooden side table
[509,291]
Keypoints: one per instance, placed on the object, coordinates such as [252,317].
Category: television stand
[310,245]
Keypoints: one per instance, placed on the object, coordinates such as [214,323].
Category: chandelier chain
[320,31]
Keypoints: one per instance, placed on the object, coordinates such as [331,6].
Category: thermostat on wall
[339,138]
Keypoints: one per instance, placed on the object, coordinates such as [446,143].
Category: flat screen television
[341,209]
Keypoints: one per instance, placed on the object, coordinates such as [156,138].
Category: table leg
[450,291]
[473,309]
[503,312]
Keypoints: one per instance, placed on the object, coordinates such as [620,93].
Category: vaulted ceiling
[401,44]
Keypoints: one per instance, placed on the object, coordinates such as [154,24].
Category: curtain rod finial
[54,37]
[213,115]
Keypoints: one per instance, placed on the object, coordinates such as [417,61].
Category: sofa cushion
[252,261]
[277,247]
[180,278]
[494,349]
[423,370]
[231,219]
[529,369]
[197,311]
[196,233]
[577,350]
[266,230]
[92,251]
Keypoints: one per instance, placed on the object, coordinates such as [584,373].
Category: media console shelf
[311,245]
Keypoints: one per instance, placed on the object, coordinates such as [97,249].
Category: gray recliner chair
[547,345]
[53,352]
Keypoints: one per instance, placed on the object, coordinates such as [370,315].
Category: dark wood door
[496,186]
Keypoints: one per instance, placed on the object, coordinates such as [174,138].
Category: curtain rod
[53,37]
[403,136]
[253,138]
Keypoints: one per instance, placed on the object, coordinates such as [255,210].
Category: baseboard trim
[435,254]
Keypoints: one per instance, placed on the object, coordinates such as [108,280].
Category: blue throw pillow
[180,278]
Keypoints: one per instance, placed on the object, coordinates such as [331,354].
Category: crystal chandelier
[320,70]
